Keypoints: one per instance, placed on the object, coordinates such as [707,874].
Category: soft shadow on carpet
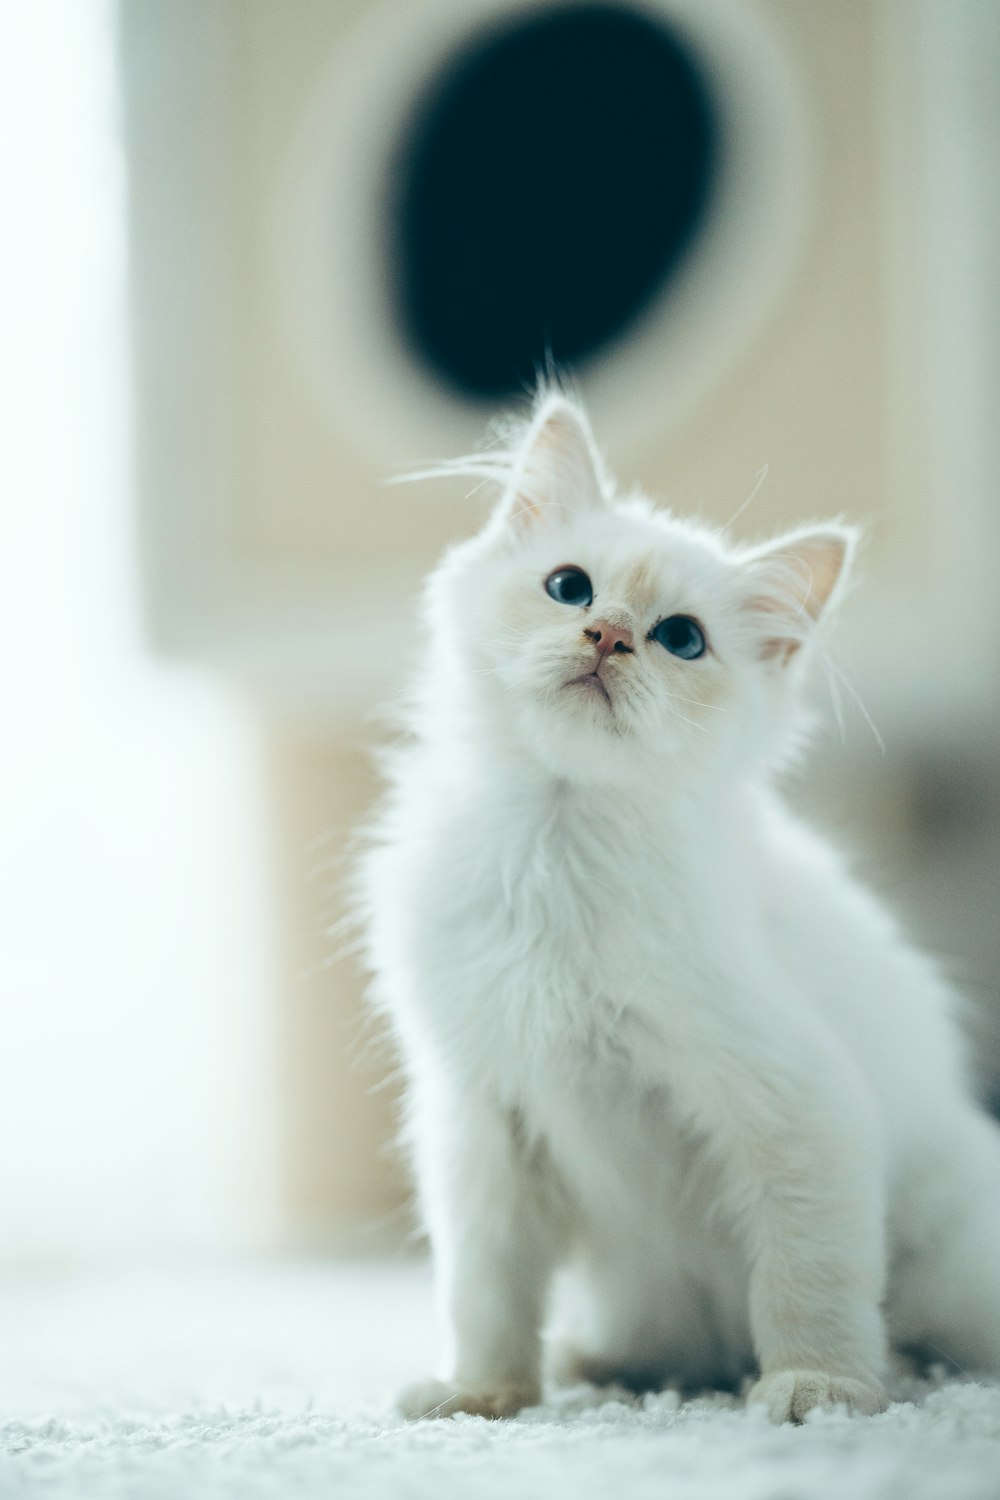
[277,1382]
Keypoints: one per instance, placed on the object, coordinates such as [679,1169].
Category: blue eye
[681,636]
[570,586]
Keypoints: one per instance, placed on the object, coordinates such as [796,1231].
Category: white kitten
[655,1037]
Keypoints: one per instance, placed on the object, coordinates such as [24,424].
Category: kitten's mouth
[591,682]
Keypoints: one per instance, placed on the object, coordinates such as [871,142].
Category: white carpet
[277,1382]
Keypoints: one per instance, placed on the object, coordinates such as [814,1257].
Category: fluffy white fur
[664,1057]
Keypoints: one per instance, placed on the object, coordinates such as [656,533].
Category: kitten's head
[605,638]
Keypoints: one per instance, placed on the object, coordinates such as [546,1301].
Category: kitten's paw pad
[789,1395]
[436,1398]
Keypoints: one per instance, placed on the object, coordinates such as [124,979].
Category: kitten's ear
[792,583]
[556,469]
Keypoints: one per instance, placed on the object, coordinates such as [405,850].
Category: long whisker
[693,722]
[880,742]
[838,707]
[760,476]
[520,635]
[715,707]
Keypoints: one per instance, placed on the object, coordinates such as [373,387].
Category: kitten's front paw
[436,1398]
[789,1395]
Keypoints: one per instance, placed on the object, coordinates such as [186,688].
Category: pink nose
[607,637]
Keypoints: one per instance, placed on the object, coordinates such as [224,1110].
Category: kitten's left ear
[793,582]
[557,468]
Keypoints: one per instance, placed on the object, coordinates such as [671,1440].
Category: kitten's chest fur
[564,929]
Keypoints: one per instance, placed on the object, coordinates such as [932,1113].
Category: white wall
[135,1109]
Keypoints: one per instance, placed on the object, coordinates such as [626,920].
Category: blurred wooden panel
[343,1184]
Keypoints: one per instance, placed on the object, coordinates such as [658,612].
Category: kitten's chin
[581,734]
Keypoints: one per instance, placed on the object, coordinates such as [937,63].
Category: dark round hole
[549,183]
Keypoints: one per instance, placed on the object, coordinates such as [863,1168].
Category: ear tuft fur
[548,463]
[557,463]
[795,580]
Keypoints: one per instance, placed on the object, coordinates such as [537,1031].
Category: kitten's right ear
[792,582]
[556,469]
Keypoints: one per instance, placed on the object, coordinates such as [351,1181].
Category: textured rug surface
[277,1382]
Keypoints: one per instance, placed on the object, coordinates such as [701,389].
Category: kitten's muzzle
[609,638]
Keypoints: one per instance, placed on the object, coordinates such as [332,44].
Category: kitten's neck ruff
[659,800]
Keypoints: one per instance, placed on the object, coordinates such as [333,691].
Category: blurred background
[257,257]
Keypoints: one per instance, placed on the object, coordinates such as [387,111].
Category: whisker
[486,671]
[760,476]
[519,635]
[835,699]
[715,707]
[880,742]
[693,722]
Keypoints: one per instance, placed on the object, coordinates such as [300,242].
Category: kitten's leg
[802,1157]
[494,1224]
[945,1292]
